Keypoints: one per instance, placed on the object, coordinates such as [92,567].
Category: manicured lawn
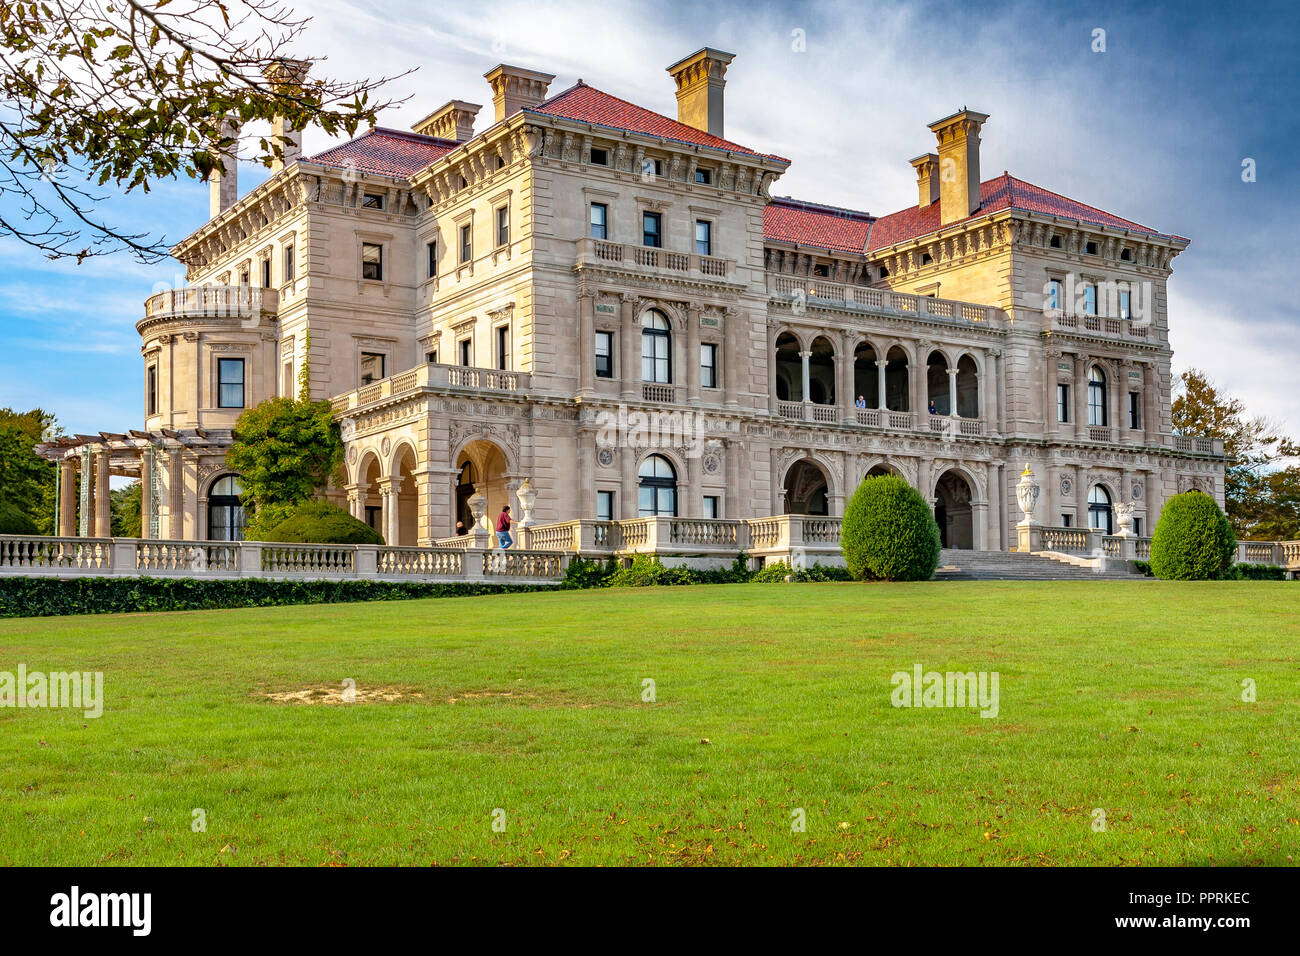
[769,698]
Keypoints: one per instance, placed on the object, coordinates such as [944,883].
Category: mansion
[612,304]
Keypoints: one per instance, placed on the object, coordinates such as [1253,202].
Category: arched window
[225,510]
[1099,513]
[1097,397]
[657,494]
[656,348]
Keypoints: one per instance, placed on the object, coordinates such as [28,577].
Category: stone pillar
[176,492]
[735,334]
[1081,364]
[846,395]
[630,509]
[1149,415]
[146,492]
[771,371]
[993,518]
[435,490]
[805,355]
[103,511]
[1051,373]
[693,353]
[925,482]
[694,504]
[356,500]
[389,489]
[586,343]
[67,498]
[1116,396]
[952,392]
[736,506]
[630,373]
[586,499]
[917,395]
[1081,483]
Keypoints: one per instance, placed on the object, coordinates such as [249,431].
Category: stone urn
[527,496]
[1124,516]
[477,506]
[1027,491]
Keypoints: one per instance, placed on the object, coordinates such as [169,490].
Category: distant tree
[124,511]
[26,479]
[126,92]
[285,450]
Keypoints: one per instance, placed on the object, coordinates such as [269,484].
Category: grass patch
[1124,696]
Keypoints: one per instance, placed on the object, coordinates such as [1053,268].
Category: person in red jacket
[503,528]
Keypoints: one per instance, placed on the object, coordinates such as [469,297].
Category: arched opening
[968,388]
[656,348]
[896,397]
[408,500]
[936,383]
[656,487]
[372,501]
[225,509]
[883,469]
[487,476]
[1100,514]
[806,490]
[1097,397]
[821,372]
[866,376]
[789,369]
[953,511]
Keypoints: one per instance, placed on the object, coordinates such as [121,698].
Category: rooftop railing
[212,301]
[814,291]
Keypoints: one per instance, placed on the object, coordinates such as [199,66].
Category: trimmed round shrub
[1193,540]
[14,521]
[889,533]
[319,522]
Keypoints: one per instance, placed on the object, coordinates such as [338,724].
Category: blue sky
[1154,129]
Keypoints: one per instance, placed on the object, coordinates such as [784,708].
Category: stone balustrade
[603,253]
[812,291]
[211,301]
[434,376]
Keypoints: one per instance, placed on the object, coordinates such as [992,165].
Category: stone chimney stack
[514,88]
[223,180]
[288,76]
[959,164]
[927,178]
[453,120]
[700,80]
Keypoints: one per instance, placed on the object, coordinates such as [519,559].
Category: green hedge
[778,571]
[14,521]
[1193,540]
[889,532]
[647,572]
[1238,572]
[43,597]
[319,522]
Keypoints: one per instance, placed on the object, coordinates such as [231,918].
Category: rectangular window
[604,354]
[1135,410]
[151,390]
[372,367]
[290,266]
[466,243]
[708,366]
[711,506]
[372,260]
[599,221]
[1125,304]
[704,176]
[466,352]
[1137,526]
[243,278]
[431,357]
[230,383]
[1054,294]
[266,273]
[372,201]
[1062,403]
[503,226]
[599,157]
[286,380]
[1090,299]
[1066,519]
[703,237]
[431,259]
[374,515]
[604,506]
[652,229]
[503,347]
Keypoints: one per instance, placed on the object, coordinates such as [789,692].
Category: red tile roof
[1004,192]
[810,224]
[386,152]
[586,104]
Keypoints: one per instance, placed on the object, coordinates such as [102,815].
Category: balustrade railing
[433,375]
[815,291]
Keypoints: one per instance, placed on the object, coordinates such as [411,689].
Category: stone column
[388,496]
[917,390]
[586,343]
[952,392]
[630,373]
[146,492]
[1149,415]
[771,370]
[993,518]
[435,490]
[846,395]
[1051,423]
[176,492]
[805,355]
[693,353]
[881,366]
[67,498]
[694,490]
[1081,364]
[356,500]
[1081,483]
[925,482]
[627,491]
[103,511]
[586,499]
[1116,396]
[735,334]
[736,506]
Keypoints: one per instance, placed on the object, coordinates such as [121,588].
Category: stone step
[956,565]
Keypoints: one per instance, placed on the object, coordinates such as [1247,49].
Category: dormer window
[1125,255]
[1055,242]
[463,183]
[704,176]
[372,201]
[599,157]
[821,271]
[926,258]
[1090,248]
[884,272]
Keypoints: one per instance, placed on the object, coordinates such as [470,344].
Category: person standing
[503,528]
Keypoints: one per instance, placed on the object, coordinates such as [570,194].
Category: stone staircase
[957,565]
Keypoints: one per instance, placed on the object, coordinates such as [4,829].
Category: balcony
[812,291]
[1198,446]
[1058,321]
[602,253]
[451,377]
[212,301]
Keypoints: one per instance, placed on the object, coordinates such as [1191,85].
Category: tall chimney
[453,120]
[927,178]
[700,79]
[223,180]
[959,164]
[287,77]
[514,88]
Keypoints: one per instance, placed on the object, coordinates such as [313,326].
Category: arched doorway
[807,492]
[1100,513]
[408,500]
[487,475]
[789,368]
[968,388]
[896,385]
[656,487]
[225,509]
[954,511]
[372,501]
[936,383]
[866,376]
[821,372]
